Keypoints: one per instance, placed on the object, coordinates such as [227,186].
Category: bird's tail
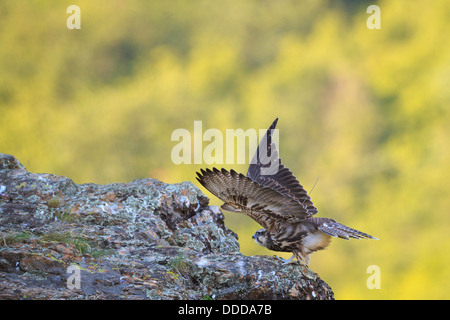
[336,229]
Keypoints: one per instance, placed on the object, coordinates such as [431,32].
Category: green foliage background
[366,110]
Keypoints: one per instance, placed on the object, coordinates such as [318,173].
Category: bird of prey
[278,202]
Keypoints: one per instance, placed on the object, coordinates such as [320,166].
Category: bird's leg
[285,261]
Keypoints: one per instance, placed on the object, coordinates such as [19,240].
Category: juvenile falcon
[272,196]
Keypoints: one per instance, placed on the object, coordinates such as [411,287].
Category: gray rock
[140,240]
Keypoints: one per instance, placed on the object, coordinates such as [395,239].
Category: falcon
[277,201]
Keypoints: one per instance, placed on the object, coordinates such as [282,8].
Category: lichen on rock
[140,240]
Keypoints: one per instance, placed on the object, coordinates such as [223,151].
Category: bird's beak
[253,236]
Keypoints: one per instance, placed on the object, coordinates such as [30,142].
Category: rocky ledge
[140,240]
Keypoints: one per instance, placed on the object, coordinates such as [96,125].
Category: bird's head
[261,236]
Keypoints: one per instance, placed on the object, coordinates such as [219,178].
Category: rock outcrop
[140,240]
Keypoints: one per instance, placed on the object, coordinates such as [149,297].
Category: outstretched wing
[241,194]
[267,170]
